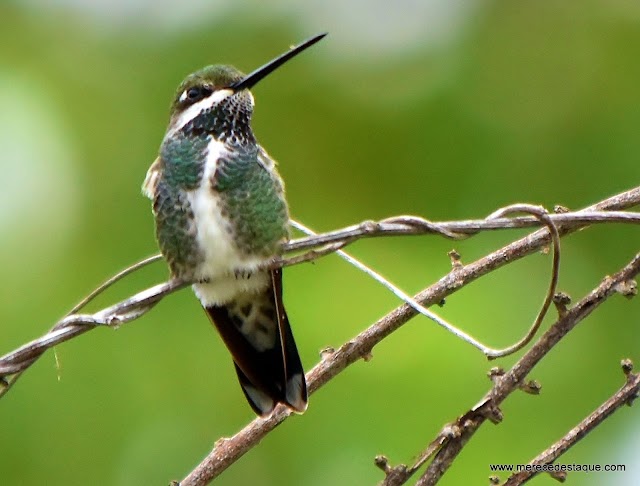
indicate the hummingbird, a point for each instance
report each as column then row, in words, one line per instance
column 221, row 217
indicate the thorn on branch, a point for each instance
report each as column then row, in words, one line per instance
column 628, row 288
column 382, row 462
column 369, row 226
column 558, row 209
column 113, row 321
column 220, row 442
column 560, row 476
column 327, row 351
column 393, row 475
column 561, row 300
column 627, row 368
column 492, row 413
column 532, row 387
column 451, row 431
column 455, row 258
column 495, row 373
column 494, row 480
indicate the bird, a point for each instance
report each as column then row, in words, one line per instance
column 221, row 218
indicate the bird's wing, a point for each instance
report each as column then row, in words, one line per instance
column 151, row 180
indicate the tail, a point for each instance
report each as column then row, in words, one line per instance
column 256, row 330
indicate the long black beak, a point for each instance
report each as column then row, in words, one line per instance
column 252, row 78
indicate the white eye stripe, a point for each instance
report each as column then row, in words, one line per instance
column 194, row 110
column 183, row 96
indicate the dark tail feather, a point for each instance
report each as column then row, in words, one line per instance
column 262, row 403
column 256, row 330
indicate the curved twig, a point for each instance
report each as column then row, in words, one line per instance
column 406, row 298
column 542, row 215
column 111, row 281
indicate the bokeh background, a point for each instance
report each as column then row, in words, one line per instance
column 444, row 109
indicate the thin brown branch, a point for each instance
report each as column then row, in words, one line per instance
column 609, row 210
column 227, row 451
column 605, row 211
column 15, row 363
column 399, row 226
column 624, row 396
column 488, row 407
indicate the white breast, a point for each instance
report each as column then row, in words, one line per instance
column 222, row 260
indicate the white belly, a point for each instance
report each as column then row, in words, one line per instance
column 222, row 260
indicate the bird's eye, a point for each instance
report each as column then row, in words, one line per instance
column 194, row 93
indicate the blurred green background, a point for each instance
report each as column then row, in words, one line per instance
column 442, row 109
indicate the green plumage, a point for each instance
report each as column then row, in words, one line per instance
column 252, row 201
column 182, row 160
column 184, row 157
column 176, row 230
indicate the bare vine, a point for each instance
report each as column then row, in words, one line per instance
column 445, row 447
column 227, row 451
